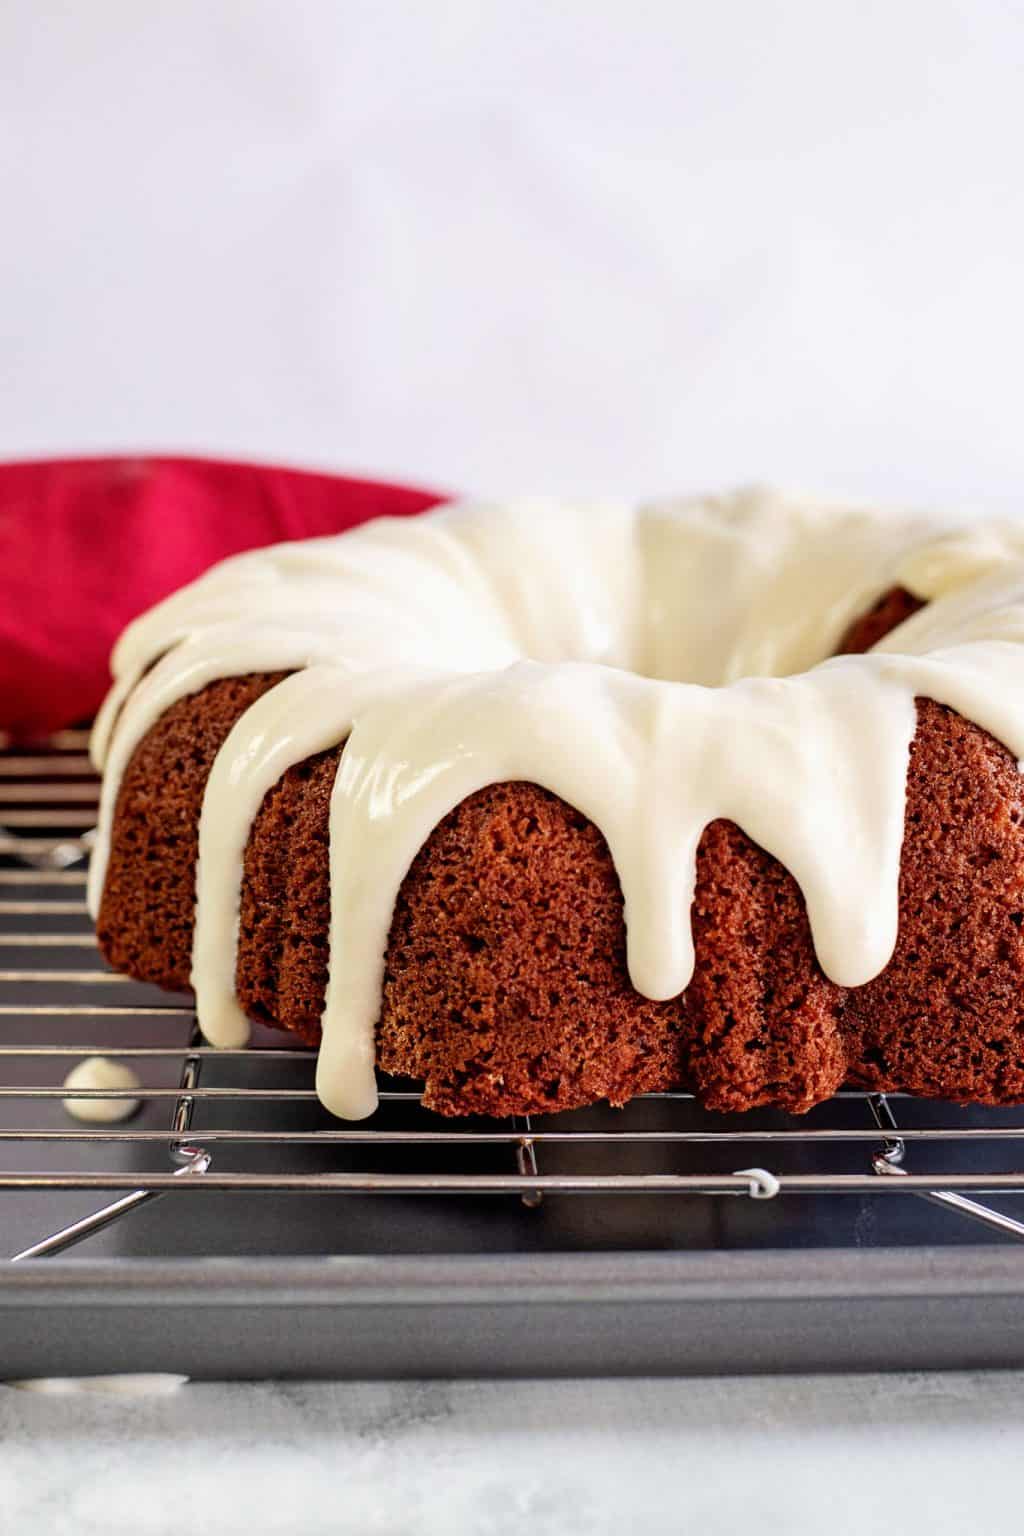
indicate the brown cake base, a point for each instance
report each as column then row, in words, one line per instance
column 506, row 989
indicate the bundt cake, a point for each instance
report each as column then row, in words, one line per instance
column 543, row 806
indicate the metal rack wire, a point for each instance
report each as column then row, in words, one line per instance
column 220, row 1110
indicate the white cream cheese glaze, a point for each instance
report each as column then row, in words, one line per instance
column 656, row 668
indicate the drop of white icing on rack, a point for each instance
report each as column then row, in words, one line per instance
column 141, row 1384
column 99, row 1073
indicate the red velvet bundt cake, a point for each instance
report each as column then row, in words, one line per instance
column 543, row 806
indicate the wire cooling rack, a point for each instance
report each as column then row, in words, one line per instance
column 249, row 1120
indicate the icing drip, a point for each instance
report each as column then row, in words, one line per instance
column 656, row 669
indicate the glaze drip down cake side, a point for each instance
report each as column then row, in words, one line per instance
column 545, row 805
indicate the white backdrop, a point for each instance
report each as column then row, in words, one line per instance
column 576, row 246
column 521, row 246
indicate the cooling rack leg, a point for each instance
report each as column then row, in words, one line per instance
column 526, row 1159
column 185, row 1107
column 193, row 1160
column 67, row 1237
column 887, row 1163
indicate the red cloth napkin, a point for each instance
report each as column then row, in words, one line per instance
column 87, row 544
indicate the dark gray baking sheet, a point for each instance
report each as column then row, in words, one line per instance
column 623, row 1314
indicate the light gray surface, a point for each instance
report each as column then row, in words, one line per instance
column 899, row 1454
